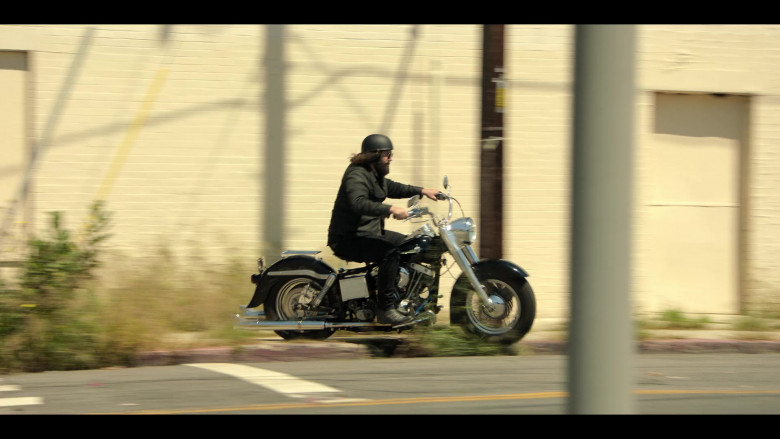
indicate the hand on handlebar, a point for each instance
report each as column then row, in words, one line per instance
column 433, row 194
column 417, row 212
column 399, row 213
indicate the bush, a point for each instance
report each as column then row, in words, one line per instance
column 54, row 320
column 48, row 321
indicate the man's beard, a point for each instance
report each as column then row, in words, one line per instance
column 382, row 169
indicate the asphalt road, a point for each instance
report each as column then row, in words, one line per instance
column 665, row 384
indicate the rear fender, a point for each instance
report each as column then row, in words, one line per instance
column 291, row 266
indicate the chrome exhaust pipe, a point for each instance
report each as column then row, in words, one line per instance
column 307, row 325
column 249, row 313
column 253, row 319
column 286, row 325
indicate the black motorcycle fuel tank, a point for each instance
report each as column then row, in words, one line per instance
column 415, row 244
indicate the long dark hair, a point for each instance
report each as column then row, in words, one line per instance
column 364, row 158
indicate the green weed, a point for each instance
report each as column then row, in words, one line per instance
column 675, row 319
column 750, row 323
column 448, row 341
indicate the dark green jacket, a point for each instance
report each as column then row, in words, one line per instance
column 359, row 208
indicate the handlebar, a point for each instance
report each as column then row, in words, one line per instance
column 417, row 212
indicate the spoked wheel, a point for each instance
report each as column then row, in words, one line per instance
column 509, row 317
column 286, row 302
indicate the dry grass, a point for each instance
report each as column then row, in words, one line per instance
column 147, row 301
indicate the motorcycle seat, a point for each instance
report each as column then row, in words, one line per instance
column 348, row 260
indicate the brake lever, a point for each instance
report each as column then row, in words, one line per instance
column 416, row 213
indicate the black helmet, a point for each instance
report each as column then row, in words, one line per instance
column 376, row 142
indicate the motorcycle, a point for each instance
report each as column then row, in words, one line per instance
column 303, row 297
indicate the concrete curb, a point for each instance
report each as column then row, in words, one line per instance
column 673, row 346
column 297, row 351
column 703, row 345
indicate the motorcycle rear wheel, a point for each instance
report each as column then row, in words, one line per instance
column 510, row 319
column 283, row 303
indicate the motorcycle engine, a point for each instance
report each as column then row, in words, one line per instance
column 413, row 278
column 403, row 278
column 364, row 310
column 411, row 282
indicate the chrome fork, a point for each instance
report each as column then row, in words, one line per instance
column 465, row 257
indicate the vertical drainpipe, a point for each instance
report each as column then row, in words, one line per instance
column 436, row 92
column 492, row 143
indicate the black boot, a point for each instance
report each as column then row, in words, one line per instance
column 388, row 270
column 392, row 317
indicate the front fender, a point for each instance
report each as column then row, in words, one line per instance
column 299, row 265
column 490, row 268
column 499, row 266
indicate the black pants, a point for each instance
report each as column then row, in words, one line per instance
column 382, row 250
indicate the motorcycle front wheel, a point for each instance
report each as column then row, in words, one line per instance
column 507, row 321
column 285, row 301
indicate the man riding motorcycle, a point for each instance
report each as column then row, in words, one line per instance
column 357, row 226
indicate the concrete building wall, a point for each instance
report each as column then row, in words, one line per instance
column 178, row 129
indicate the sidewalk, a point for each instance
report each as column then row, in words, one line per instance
column 713, row 338
column 544, row 338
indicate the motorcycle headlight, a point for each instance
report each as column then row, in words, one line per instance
column 464, row 230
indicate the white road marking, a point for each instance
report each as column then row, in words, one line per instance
column 278, row 382
column 28, row 400
column 12, row 402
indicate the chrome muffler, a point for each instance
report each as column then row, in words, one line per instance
column 306, row 325
column 253, row 319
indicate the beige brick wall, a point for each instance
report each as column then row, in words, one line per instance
column 167, row 131
column 168, row 124
column 731, row 60
column 539, row 67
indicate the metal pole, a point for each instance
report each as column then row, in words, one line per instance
column 275, row 107
column 601, row 329
column 492, row 145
